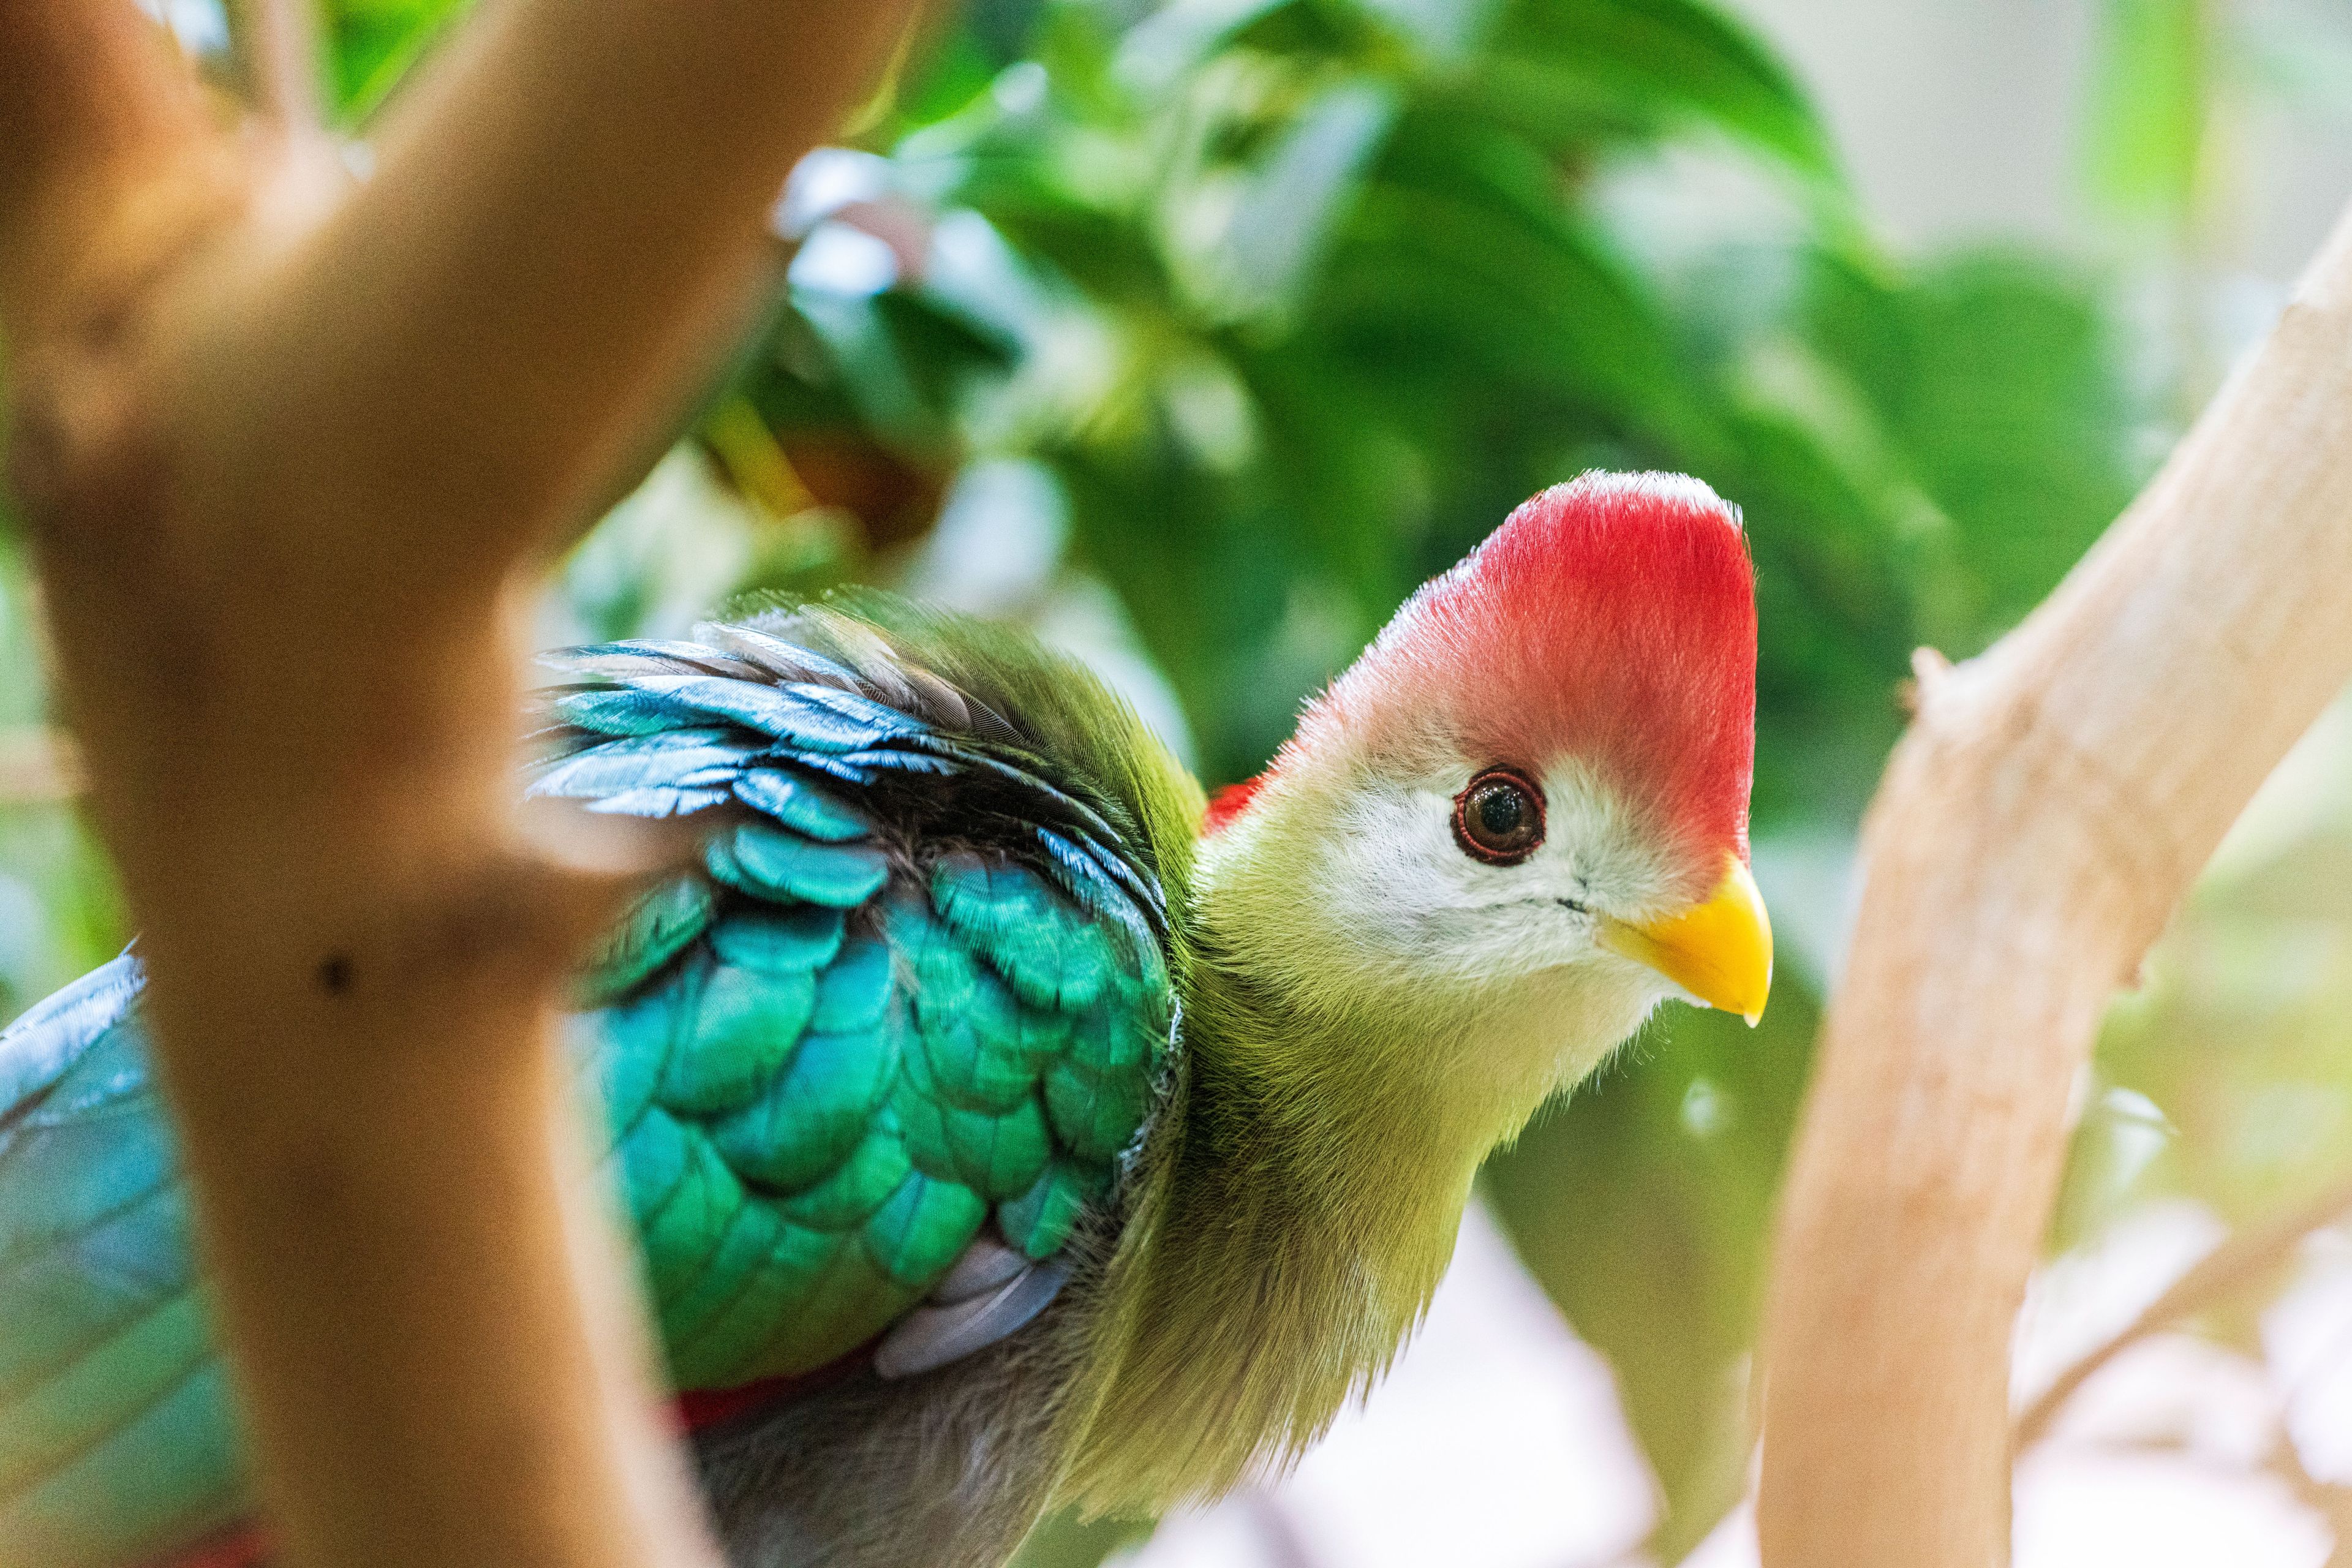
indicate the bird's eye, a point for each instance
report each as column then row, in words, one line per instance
column 1500, row 818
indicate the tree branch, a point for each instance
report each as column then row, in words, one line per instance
column 568, row 214
column 288, row 451
column 2050, row 804
column 2232, row 1267
column 278, row 56
column 93, row 101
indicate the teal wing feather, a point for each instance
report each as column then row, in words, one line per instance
column 862, row 1069
column 915, row 1002
column 117, row 1436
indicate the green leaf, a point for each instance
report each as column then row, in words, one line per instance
column 1264, row 260
column 376, row 42
column 1672, row 1159
column 1570, row 70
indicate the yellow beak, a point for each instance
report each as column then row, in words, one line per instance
column 1720, row 951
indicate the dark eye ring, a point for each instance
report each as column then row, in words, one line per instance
column 1498, row 817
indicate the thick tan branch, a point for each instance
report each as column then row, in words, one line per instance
column 2033, row 832
column 566, row 222
column 92, row 100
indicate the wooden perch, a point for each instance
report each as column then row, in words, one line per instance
column 2050, row 804
column 288, row 450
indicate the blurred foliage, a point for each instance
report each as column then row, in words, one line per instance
column 2175, row 83
column 371, row 44
column 1642, row 1202
column 1294, row 301
column 59, row 909
column 2152, row 106
column 2225, row 1077
column 1199, row 333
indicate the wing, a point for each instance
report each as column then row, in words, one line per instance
column 116, row 1433
column 866, row 1066
column 863, row 1070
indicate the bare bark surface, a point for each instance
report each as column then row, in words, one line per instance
column 2050, row 804
column 277, row 46
column 290, row 448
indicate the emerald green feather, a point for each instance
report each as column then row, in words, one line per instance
column 114, row 1432
column 734, row 1030
column 855, row 991
column 779, row 942
column 655, row 929
column 774, row 863
column 860, row 1185
column 916, row 1234
column 816, row 1113
column 1039, row 1221
column 982, row 1044
column 800, row 805
column 1053, row 954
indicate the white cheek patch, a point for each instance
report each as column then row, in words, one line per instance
column 1407, row 900
column 1593, row 843
column 1390, row 872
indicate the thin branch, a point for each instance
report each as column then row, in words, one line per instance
column 2236, row 1265
column 276, row 45
column 38, row 767
column 2051, row 804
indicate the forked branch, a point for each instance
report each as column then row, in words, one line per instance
column 289, row 449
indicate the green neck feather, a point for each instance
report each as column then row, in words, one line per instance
column 1302, row 1212
column 1300, row 1202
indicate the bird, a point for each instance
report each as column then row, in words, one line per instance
column 1003, row 1124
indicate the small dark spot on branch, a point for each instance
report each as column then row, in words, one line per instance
column 335, row 975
